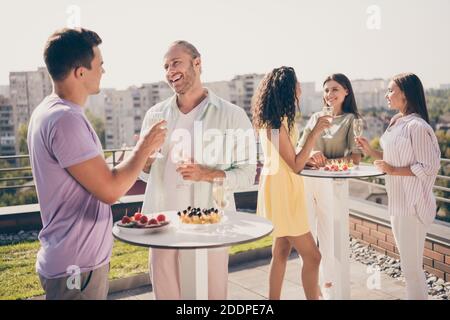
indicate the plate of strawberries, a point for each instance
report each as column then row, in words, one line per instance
column 338, row 166
column 140, row 223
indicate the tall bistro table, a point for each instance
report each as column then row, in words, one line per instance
column 339, row 182
column 193, row 242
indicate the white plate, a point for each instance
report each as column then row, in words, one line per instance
column 206, row 226
column 335, row 172
column 140, row 231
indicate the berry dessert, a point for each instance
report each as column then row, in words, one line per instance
column 199, row 216
column 139, row 220
column 338, row 166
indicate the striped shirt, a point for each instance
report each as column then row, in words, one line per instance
column 409, row 141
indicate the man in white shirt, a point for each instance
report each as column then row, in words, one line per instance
column 190, row 113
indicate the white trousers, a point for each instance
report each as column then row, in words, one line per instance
column 166, row 276
column 409, row 233
column 319, row 197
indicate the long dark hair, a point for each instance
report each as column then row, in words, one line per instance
column 412, row 88
column 275, row 99
column 349, row 105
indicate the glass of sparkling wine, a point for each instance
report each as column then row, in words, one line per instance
column 327, row 111
column 220, row 194
column 358, row 127
column 156, row 116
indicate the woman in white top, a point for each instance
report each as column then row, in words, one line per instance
column 411, row 161
column 337, row 93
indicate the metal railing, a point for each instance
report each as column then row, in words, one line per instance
column 435, row 187
column 113, row 157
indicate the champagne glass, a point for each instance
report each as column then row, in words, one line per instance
column 358, row 127
column 181, row 158
column 327, row 111
column 220, row 194
column 156, row 117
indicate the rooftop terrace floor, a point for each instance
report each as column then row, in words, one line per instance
column 249, row 281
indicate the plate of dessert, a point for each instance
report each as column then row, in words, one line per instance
column 338, row 167
column 198, row 218
column 139, row 223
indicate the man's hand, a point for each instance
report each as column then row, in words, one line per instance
column 384, row 166
column 154, row 138
column 196, row 172
column 149, row 162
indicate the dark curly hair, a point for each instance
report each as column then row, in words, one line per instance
column 276, row 99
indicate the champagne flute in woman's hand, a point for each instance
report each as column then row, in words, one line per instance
column 328, row 111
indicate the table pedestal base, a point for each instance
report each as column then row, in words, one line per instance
column 194, row 274
column 341, row 239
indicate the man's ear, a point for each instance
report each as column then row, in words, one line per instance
column 198, row 62
column 78, row 72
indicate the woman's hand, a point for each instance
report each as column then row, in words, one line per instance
column 322, row 123
column 384, row 166
column 311, row 165
column 319, row 158
column 364, row 145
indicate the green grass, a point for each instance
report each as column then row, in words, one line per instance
column 18, row 278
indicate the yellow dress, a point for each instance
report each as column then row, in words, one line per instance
column 281, row 194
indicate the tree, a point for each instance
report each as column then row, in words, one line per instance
column 22, row 133
column 98, row 125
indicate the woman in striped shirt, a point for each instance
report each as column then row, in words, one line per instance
column 411, row 161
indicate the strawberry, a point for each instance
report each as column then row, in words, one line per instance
column 161, row 218
column 126, row 219
column 152, row 221
column 345, row 167
column 143, row 219
column 327, row 168
column 137, row 216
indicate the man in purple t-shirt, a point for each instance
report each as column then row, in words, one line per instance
column 74, row 184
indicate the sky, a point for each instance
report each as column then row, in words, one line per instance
column 364, row 39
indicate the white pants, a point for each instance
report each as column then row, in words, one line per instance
column 319, row 197
column 409, row 233
column 166, row 277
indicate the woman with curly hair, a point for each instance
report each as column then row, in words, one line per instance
column 281, row 196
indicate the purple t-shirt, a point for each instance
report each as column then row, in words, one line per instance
column 76, row 225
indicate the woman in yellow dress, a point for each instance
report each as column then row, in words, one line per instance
column 281, row 196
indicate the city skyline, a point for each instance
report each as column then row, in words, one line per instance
column 377, row 39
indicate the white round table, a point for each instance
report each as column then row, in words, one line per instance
column 340, row 213
column 236, row 228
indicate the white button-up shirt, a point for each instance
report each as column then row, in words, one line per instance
column 214, row 123
column 409, row 141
